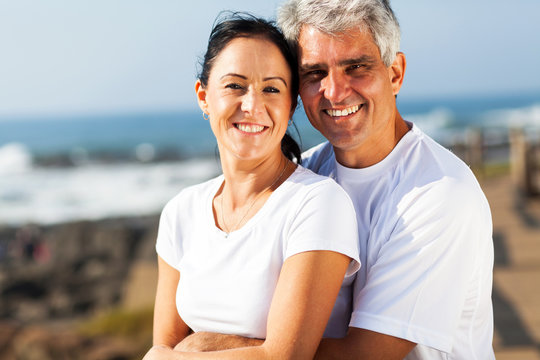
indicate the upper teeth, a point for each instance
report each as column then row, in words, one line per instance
column 250, row 128
column 344, row 112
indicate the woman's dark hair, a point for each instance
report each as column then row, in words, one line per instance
column 232, row 25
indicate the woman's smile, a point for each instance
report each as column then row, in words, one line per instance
column 250, row 128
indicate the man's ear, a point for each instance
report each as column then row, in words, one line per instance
column 396, row 71
column 201, row 96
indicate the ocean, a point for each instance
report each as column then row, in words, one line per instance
column 66, row 168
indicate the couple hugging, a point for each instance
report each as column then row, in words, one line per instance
column 374, row 245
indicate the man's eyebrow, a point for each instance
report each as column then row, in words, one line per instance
column 364, row 60
column 308, row 67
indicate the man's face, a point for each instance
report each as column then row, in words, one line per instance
column 347, row 91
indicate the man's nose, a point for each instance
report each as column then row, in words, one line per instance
column 335, row 86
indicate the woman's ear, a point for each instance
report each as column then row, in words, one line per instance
column 397, row 72
column 201, row 96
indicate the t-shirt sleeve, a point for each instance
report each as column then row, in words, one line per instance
column 168, row 242
column 434, row 243
column 325, row 220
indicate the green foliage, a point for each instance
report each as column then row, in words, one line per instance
column 491, row 170
column 120, row 322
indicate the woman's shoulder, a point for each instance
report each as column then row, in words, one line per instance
column 194, row 194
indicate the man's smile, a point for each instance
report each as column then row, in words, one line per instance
column 342, row 112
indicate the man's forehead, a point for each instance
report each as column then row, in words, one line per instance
column 315, row 45
column 351, row 34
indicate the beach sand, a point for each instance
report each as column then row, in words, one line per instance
column 516, row 288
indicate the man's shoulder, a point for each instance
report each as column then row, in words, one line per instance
column 436, row 160
column 429, row 171
column 319, row 159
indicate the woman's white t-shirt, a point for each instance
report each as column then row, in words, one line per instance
column 227, row 282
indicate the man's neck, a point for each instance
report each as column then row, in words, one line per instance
column 375, row 149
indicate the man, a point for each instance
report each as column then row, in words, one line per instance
column 424, row 289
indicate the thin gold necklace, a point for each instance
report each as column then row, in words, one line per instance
column 250, row 206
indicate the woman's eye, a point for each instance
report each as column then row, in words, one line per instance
column 233, row 86
column 271, row 89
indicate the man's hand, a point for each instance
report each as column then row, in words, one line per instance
column 364, row 344
column 157, row 352
column 208, row 341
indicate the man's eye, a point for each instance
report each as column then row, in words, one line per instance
column 313, row 74
column 271, row 89
column 233, row 86
column 356, row 67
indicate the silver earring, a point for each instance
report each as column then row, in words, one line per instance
column 290, row 122
column 205, row 116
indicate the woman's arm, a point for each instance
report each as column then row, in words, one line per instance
column 303, row 300
column 305, row 295
column 169, row 329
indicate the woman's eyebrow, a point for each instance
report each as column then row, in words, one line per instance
column 245, row 77
column 276, row 78
column 234, row 75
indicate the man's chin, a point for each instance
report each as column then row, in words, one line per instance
column 344, row 145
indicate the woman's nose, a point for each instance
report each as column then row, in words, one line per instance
column 251, row 103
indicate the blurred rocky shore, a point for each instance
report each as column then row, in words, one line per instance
column 73, row 290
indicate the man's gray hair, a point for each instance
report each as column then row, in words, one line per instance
column 337, row 16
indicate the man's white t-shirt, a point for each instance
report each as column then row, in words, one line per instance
column 227, row 283
column 426, row 248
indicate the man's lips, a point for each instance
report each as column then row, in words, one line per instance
column 343, row 112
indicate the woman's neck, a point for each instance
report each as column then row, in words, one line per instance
column 246, row 188
column 245, row 180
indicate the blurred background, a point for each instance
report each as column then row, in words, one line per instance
column 99, row 127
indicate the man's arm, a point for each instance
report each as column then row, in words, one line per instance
column 359, row 344
column 364, row 344
column 209, row 341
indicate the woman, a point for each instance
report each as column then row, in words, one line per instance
column 260, row 251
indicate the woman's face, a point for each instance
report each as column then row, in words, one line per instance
column 248, row 98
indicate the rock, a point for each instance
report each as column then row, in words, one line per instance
column 72, row 271
column 87, row 268
column 140, row 288
column 63, row 343
column 7, row 334
column 117, row 349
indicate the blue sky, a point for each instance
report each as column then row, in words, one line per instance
column 99, row 56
